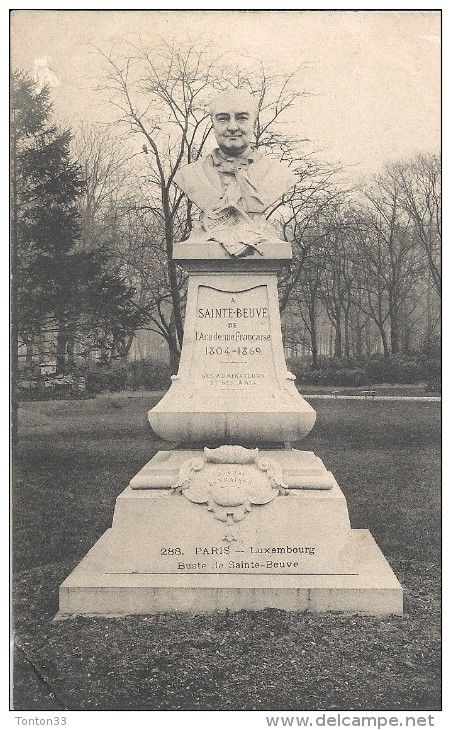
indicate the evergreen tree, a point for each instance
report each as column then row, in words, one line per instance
column 45, row 220
column 58, row 286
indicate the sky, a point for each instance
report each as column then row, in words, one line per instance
column 373, row 77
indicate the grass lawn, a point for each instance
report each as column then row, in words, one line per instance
column 73, row 459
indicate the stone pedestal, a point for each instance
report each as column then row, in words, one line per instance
column 166, row 553
column 232, row 385
column 240, row 525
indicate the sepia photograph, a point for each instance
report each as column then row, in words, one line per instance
column 226, row 364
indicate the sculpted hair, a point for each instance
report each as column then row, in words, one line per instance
column 240, row 96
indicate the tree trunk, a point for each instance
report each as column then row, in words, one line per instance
column 172, row 271
column 394, row 333
column 394, row 322
column 314, row 343
column 429, row 325
column 174, row 352
column 368, row 338
column 358, row 342
column 331, row 341
column 407, row 339
column 338, row 346
column 358, row 336
column 61, row 345
column 384, row 341
column 358, row 332
column 313, row 335
column 347, row 343
column 123, row 346
column 29, row 350
column 176, row 305
column 70, row 349
column 174, row 358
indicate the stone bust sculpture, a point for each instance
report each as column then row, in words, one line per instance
column 234, row 185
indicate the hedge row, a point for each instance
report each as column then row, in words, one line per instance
column 144, row 374
column 150, row 375
column 374, row 371
column 331, row 371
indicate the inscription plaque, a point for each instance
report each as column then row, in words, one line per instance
column 232, row 340
column 231, row 550
column 238, row 557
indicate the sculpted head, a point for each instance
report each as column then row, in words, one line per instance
column 233, row 114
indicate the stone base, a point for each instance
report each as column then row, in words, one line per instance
column 374, row 589
column 166, row 553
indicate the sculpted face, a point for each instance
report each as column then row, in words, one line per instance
column 233, row 115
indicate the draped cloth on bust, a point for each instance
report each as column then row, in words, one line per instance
column 233, row 194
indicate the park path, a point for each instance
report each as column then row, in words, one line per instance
column 319, row 396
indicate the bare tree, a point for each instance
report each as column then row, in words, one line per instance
column 141, row 255
column 304, row 220
column 389, row 259
column 306, row 297
column 106, row 169
column 160, row 94
column 420, row 193
column 337, row 282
